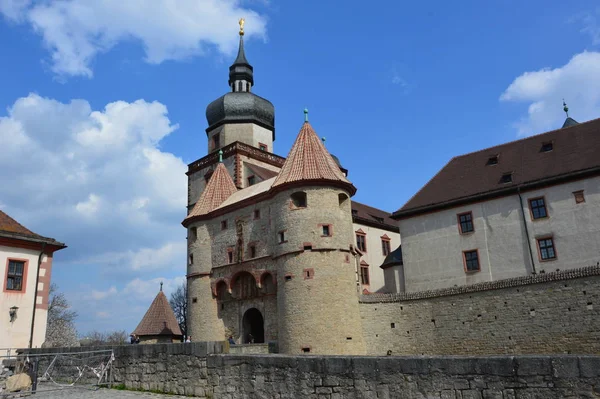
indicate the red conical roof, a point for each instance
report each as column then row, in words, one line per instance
column 219, row 188
column 159, row 319
column 309, row 160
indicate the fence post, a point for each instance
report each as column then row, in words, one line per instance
column 35, row 375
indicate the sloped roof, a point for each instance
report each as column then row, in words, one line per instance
column 309, row 160
column 219, row 188
column 248, row 192
column 261, row 172
column 9, row 227
column 469, row 177
column 364, row 214
column 393, row 258
column 159, row 319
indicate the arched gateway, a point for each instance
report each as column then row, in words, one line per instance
column 253, row 327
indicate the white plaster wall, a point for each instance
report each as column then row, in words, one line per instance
column 432, row 246
column 374, row 255
column 16, row 334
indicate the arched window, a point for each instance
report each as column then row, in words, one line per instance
column 343, row 200
column 222, row 292
column 267, row 282
column 299, row 199
column 244, row 286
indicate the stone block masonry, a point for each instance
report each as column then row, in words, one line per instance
column 543, row 314
column 333, row 377
column 199, row 369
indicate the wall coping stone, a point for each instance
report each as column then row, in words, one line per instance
column 571, row 274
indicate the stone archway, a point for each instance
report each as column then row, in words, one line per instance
column 253, row 327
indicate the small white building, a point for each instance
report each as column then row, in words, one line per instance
column 520, row 208
column 26, row 268
column 376, row 237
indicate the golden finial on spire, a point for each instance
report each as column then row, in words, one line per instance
column 242, row 21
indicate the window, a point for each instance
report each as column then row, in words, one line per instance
column 230, row 255
column 207, row 176
column 546, row 247
column 299, row 199
column 364, row 273
column 385, row 247
column 579, row 197
column 216, row 141
column 252, row 251
column 191, row 259
column 354, row 212
column 342, row 199
column 251, row 180
column 547, row 146
column 15, row 275
column 257, row 214
column 361, row 242
column 471, row 259
column 506, row 178
column 193, row 233
column 465, row 221
column 223, row 224
column 493, row 160
column 263, row 147
column 538, row 208
column 281, row 236
column 326, row 230
column 308, row 273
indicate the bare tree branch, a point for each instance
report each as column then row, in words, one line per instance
column 178, row 303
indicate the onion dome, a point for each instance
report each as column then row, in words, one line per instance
column 240, row 105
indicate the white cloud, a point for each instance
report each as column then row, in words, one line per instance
column 591, row 26
column 75, row 31
column 164, row 257
column 578, row 82
column 99, row 295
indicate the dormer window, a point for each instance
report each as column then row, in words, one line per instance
column 354, row 212
column 547, row 147
column 377, row 218
column 493, row 160
column 506, row 178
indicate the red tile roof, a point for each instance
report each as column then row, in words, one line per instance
column 159, row 319
column 309, row 160
column 468, row 177
column 219, row 188
column 367, row 215
column 9, row 227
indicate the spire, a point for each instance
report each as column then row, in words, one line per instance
column 218, row 189
column 309, row 160
column 241, row 73
column 159, row 319
column 305, row 114
column 161, row 283
column 569, row 121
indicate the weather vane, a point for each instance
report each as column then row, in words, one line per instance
column 242, row 21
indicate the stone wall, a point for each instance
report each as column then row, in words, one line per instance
column 333, row 377
column 547, row 313
column 200, row 369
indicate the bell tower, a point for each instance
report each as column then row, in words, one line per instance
column 241, row 115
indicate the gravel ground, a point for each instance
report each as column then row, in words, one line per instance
column 52, row 392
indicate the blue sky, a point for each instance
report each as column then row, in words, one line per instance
column 102, row 107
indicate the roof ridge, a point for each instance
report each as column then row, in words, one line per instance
column 525, row 138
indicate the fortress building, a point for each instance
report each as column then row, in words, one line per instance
column 277, row 252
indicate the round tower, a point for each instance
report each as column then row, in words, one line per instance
column 202, row 312
column 311, row 217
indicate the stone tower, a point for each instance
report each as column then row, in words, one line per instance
column 317, row 295
column 240, row 115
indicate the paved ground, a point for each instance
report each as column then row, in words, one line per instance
column 82, row 393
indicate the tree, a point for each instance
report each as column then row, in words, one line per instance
column 60, row 328
column 178, row 303
column 98, row 338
